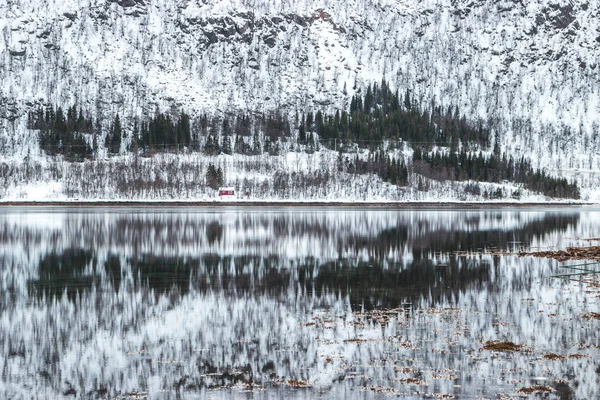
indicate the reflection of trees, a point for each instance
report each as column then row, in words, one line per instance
column 242, row 274
column 243, row 319
column 368, row 284
column 377, row 246
column 76, row 271
column 65, row 272
column 448, row 240
column 370, row 268
column 370, row 233
column 425, row 237
column 371, row 286
column 162, row 274
column 114, row 270
column 214, row 232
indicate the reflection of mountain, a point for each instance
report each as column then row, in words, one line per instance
column 384, row 267
column 183, row 302
column 369, row 236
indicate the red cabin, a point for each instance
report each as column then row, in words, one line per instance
column 226, row 192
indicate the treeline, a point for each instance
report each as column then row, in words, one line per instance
column 463, row 166
column 380, row 115
column 229, row 134
column 380, row 120
column 214, row 177
column 242, row 134
column 161, row 132
column 63, row 133
column 387, row 168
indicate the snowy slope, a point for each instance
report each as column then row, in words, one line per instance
column 530, row 68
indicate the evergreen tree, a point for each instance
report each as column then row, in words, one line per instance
column 62, row 136
column 368, row 102
column 214, row 177
column 211, row 147
column 302, row 132
column 113, row 138
column 256, row 144
column 407, row 104
column 226, row 145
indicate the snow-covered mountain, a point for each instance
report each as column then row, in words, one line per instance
column 530, row 68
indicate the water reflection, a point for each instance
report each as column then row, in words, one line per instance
column 69, row 272
column 225, row 302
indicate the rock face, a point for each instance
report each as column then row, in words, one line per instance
column 529, row 67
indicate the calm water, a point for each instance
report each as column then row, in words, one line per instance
column 292, row 303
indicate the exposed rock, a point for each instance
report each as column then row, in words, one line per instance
column 269, row 40
column 70, row 16
column 126, row 3
column 561, row 15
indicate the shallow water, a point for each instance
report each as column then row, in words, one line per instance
column 293, row 303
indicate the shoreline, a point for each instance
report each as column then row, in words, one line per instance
column 385, row 204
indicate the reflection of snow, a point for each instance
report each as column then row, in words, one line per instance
column 288, row 232
column 136, row 340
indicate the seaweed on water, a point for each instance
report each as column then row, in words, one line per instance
column 571, row 253
column 298, row 383
column 535, row 389
column 554, row 357
column 411, row 381
column 591, row 315
column 497, row 345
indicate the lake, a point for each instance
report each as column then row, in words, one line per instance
column 293, row 302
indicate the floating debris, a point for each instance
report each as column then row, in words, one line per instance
column 297, row 383
column 591, row 315
column 439, row 311
column 554, row 357
column 571, row 253
column 483, row 253
column 379, row 389
column 134, row 395
column 350, row 376
column 411, row 381
column 444, row 374
column 535, row 389
column 406, row 370
column 354, row 340
column 404, row 344
column 497, row 345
